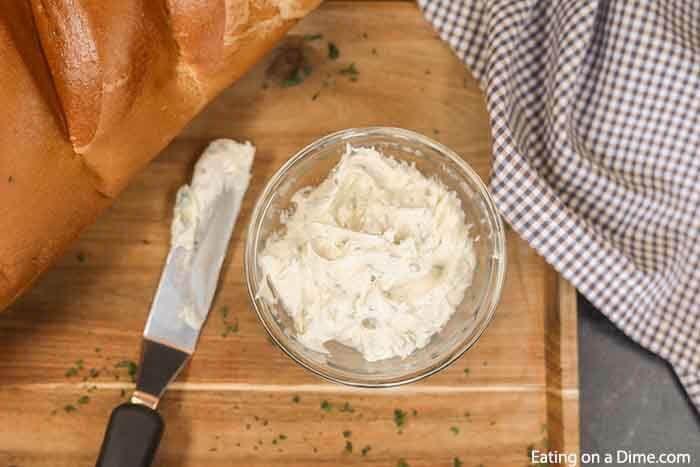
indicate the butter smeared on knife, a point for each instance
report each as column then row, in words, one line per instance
column 204, row 217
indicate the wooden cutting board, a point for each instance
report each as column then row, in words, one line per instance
column 241, row 401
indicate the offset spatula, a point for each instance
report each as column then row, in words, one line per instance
column 187, row 286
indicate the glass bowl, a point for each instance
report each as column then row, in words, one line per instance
column 345, row 365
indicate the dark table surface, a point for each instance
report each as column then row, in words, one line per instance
column 630, row 399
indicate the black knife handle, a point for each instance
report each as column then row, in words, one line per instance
column 132, row 437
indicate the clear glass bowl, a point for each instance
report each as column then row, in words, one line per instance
column 344, row 365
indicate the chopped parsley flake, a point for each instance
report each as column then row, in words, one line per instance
column 313, row 37
column 414, row 412
column 83, row 400
column 366, row 450
column 298, row 76
column 347, row 408
column 69, row 408
column 347, row 434
column 399, row 418
column 466, row 371
column 454, row 430
column 326, row 406
column 71, row 372
column 456, row 462
column 94, row 373
column 350, row 70
column 80, row 256
column 402, row 463
column 131, row 367
column 224, row 312
column 230, row 329
column 333, row 51
column 348, row 446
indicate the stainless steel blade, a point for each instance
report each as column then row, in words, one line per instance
column 189, row 288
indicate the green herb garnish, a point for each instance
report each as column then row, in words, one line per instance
column 131, row 367
column 80, row 256
column 69, row 408
column 414, row 412
column 399, row 418
column 230, row 329
column 347, row 434
column 224, row 312
column 83, row 400
column 347, row 408
column 351, row 71
column 79, row 364
column 71, row 372
column 366, row 449
column 456, row 462
column 348, row 446
column 93, row 373
column 466, row 371
column 454, row 430
column 326, row 406
column 313, row 37
column 333, row 51
column 402, row 463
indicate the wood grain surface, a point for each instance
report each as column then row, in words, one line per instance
column 242, row 402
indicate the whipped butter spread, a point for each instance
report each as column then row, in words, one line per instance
column 377, row 257
column 224, row 166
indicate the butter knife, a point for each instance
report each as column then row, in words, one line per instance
column 189, row 279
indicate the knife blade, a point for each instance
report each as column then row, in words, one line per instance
column 178, row 312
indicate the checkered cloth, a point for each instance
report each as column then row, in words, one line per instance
column 595, row 115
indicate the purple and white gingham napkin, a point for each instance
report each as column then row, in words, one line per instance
column 595, row 114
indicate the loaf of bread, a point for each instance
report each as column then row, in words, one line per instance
column 92, row 90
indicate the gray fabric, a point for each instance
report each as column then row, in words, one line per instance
column 595, row 114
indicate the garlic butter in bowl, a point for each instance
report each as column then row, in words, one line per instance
column 375, row 257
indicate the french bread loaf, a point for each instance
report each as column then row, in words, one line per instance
column 92, row 90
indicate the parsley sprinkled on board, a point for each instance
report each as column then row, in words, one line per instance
column 296, row 399
column 230, row 329
column 402, row 463
column 131, row 367
column 94, row 373
column 414, row 412
column 399, row 418
column 298, row 76
column 347, row 434
column 72, row 371
column 81, row 257
column 348, row 446
column 347, row 408
column 69, row 408
column 79, row 364
column 333, row 51
column 456, row 462
column 224, row 312
column 313, row 37
column 326, row 406
column 366, row 449
column 454, row 430
column 83, row 400
column 466, row 371
column 351, row 71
